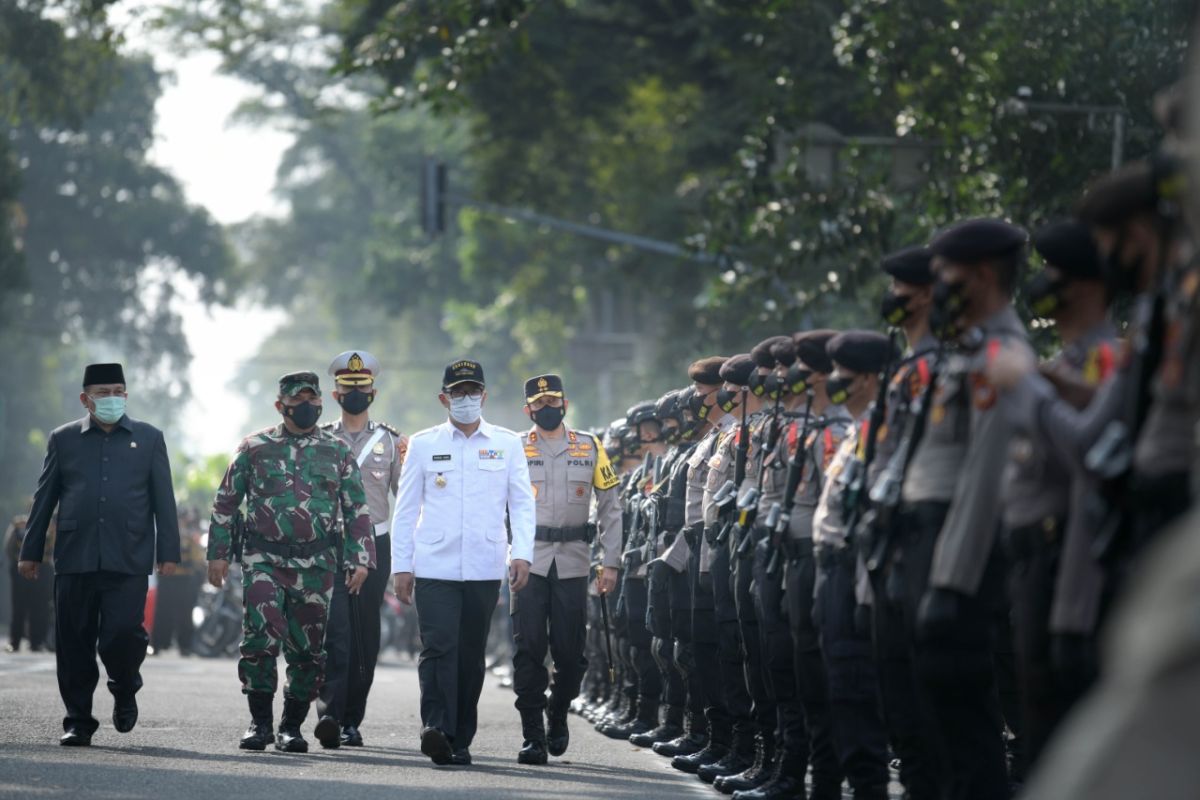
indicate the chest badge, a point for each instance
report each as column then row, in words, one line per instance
column 133, row 445
column 440, row 481
column 377, row 449
column 378, row 473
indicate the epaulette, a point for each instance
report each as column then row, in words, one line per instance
column 393, row 431
column 328, row 426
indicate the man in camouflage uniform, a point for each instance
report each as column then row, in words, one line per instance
column 296, row 478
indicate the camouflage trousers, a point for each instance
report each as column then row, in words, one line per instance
column 284, row 608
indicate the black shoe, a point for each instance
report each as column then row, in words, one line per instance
column 257, row 736
column 435, row 745
column 686, row 745
column 557, row 734
column 733, row 763
column 532, row 752
column 756, row 775
column 781, row 787
column 663, row 733
column 691, row 764
column 328, row 733
column 351, row 737
column 461, row 757
column 633, row 728
column 289, row 739
column 125, row 713
column 75, row 737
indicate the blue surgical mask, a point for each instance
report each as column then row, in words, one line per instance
column 466, row 410
column 109, row 410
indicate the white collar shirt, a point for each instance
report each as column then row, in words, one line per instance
column 454, row 490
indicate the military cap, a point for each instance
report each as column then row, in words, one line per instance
column 644, row 411
column 462, row 371
column 294, row 383
column 761, row 352
column 543, row 386
column 667, row 405
column 96, row 374
column 354, row 368
column 977, row 240
column 707, row 371
column 737, row 369
column 861, row 351
column 910, row 265
column 1068, row 246
column 810, row 349
column 783, row 350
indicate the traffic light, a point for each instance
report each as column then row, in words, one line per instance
column 433, row 197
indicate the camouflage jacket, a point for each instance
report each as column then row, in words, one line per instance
column 294, row 487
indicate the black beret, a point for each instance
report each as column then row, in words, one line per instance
column 641, row 412
column 784, row 351
column 910, row 265
column 1136, row 188
column 737, row 369
column 977, row 240
column 707, row 371
column 1069, row 247
column 810, row 349
column 861, row 351
column 95, row 374
column 761, row 353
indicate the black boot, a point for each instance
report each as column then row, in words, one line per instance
column 557, row 734
column 289, row 739
column 624, row 727
column 758, row 774
column 671, row 728
column 262, row 722
column 533, row 750
column 786, row 783
column 737, row 760
column 715, row 750
column 693, row 740
column 645, row 721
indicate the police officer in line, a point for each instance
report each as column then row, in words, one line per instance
column 956, row 577
column 352, row 635
column 859, row 357
column 567, row 469
column 109, row 479
column 301, row 484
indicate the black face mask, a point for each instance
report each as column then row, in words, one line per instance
column 304, row 415
column 894, row 308
column 949, row 303
column 797, row 378
column 758, row 384
column 548, row 418
column 356, row 401
column 699, row 408
column 671, row 435
column 774, row 387
column 838, row 390
column 1045, row 295
column 727, row 399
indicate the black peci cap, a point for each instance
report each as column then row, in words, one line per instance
column 95, row 374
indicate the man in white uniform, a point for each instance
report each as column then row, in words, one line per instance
column 450, row 546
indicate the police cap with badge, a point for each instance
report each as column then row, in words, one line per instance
column 354, row 373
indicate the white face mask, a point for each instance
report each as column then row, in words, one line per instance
column 466, row 410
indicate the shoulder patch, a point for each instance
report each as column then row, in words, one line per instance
column 390, row 429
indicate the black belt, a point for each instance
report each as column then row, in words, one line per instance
column 796, row 549
column 579, row 533
column 302, row 550
column 828, row 557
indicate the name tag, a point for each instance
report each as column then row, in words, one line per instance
column 442, row 457
column 491, row 455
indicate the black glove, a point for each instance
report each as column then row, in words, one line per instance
column 938, row 613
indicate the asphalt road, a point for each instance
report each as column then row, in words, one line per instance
column 192, row 713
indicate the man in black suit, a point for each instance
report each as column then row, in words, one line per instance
column 110, row 479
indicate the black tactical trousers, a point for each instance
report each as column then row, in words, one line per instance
column 658, row 620
column 957, row 670
column 778, row 654
column 549, row 613
column 636, row 596
column 331, row 700
column 858, row 730
column 750, row 638
column 705, row 649
column 799, row 582
column 729, row 643
column 98, row 612
column 627, row 681
column 370, row 606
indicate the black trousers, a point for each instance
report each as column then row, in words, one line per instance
column 370, row 605
column 454, row 618
column 636, row 595
column 778, row 656
column 705, row 638
column 729, row 644
column 684, row 655
column 30, row 607
column 957, row 670
column 658, row 621
column 799, row 582
column 858, row 730
column 549, row 613
column 174, row 602
column 750, row 639
column 331, row 701
column 98, row 612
